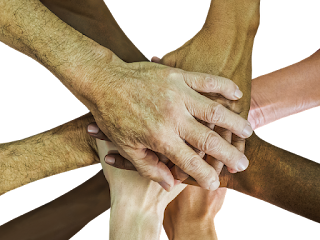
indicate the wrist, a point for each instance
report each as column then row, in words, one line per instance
column 192, row 229
column 128, row 222
column 246, row 181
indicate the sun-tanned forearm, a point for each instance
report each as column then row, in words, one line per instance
column 93, row 19
column 281, row 178
column 58, row 150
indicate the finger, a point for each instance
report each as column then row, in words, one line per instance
column 95, row 131
column 178, row 173
column 155, row 59
column 117, row 161
column 163, row 158
column 206, row 83
column 149, row 166
column 184, row 157
column 218, row 165
column 240, row 144
column 215, row 113
column 208, row 141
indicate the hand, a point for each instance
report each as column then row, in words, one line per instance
column 203, row 53
column 191, row 214
column 114, row 159
column 196, row 55
column 126, row 185
column 137, row 119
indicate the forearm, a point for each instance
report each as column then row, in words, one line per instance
column 28, row 26
column 63, row 217
column 281, row 178
column 284, row 92
column 58, row 150
column 93, row 19
column 128, row 222
column 234, row 15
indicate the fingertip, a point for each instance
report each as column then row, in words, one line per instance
column 93, row 128
column 165, row 186
column 109, row 159
column 231, row 170
column 155, row 59
column 238, row 94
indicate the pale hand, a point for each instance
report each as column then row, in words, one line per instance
column 129, row 187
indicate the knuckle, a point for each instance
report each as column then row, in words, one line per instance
column 211, row 143
column 212, row 84
column 146, row 172
column 230, row 160
column 218, row 114
column 192, row 163
column 174, row 74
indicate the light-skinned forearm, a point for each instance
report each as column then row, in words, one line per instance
column 281, row 178
column 58, row 150
column 284, row 92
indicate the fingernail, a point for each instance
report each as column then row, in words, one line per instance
column 93, row 129
column 177, row 182
column 247, row 131
column 165, row 185
column 242, row 164
column 109, row 159
column 214, row 185
column 238, row 94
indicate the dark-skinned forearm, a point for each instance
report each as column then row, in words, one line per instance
column 280, row 178
column 63, row 217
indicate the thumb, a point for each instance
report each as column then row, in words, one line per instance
column 149, row 166
column 167, row 60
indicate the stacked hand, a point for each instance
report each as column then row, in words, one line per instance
column 124, row 183
column 156, row 112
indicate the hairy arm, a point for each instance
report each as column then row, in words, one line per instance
column 58, row 150
column 40, row 160
column 93, row 19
